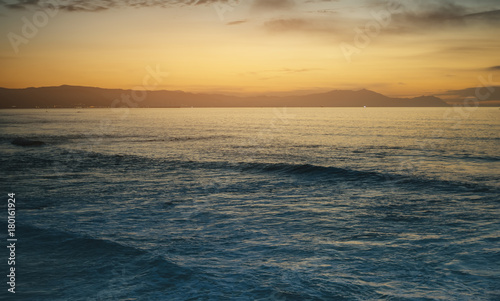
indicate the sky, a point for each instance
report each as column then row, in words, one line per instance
column 252, row 47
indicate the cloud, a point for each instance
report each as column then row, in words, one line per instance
column 292, row 24
column 288, row 70
column 426, row 15
column 319, row 1
column 236, row 22
column 492, row 15
column 494, row 68
column 269, row 5
column 99, row 5
column 277, row 73
column 404, row 17
column 489, row 93
column 21, row 4
column 434, row 13
column 305, row 25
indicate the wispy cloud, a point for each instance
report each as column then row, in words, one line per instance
column 426, row 15
column 288, row 70
column 410, row 17
column 492, row 15
column 301, row 24
column 292, row 24
column 271, row 74
column 320, row 1
column 236, row 22
column 494, row 93
column 267, row 5
column 100, row 5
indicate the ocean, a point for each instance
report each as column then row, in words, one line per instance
column 253, row 203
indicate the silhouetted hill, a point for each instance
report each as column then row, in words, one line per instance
column 75, row 96
column 486, row 96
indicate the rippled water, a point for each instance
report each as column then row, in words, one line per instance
column 255, row 204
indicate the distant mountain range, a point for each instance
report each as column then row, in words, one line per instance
column 75, row 96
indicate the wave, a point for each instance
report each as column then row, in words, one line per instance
column 63, row 265
column 371, row 177
column 81, row 267
column 92, row 138
column 471, row 157
column 26, row 142
column 61, row 161
column 308, row 169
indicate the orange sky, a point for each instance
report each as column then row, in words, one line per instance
column 252, row 47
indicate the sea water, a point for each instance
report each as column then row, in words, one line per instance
column 254, row 203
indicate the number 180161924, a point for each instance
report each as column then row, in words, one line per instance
column 11, row 207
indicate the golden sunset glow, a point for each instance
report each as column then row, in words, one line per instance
column 250, row 149
column 253, row 47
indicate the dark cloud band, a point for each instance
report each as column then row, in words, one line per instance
column 99, row 5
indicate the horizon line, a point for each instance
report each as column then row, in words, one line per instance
column 287, row 93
